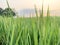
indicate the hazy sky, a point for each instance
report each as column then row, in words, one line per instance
column 20, row 4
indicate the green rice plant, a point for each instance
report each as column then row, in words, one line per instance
column 24, row 31
column 41, row 27
column 30, row 31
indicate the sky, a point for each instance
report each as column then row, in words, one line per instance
column 21, row 4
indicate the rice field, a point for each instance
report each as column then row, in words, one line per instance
column 30, row 31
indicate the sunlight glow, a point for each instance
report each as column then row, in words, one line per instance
column 20, row 4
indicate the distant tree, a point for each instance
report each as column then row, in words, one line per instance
column 1, row 10
column 8, row 12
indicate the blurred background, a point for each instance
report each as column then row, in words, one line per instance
column 26, row 7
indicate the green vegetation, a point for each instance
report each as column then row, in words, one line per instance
column 30, row 31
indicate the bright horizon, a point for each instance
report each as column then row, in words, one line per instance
column 21, row 4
